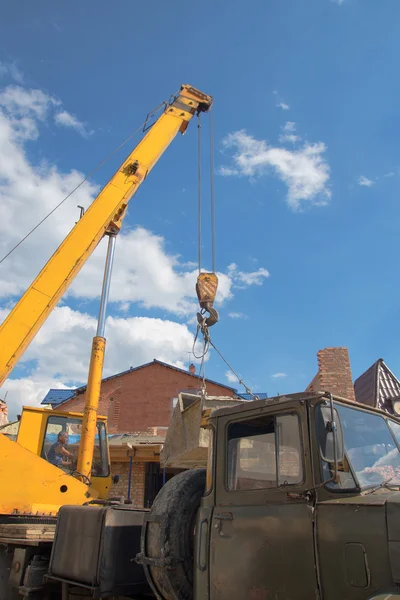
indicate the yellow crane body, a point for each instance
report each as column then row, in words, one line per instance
column 93, row 389
column 36, row 487
column 28, row 482
column 104, row 214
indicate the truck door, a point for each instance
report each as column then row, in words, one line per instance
column 262, row 526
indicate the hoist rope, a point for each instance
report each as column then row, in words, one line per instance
column 101, row 164
column 212, row 194
column 240, row 380
column 202, row 372
column 199, row 191
column 212, row 191
column 207, row 342
column 206, row 345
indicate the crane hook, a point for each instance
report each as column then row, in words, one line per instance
column 206, row 289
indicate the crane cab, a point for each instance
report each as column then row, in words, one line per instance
column 39, row 429
column 30, row 463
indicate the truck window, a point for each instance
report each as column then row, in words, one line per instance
column 264, row 453
column 61, row 445
column 371, row 453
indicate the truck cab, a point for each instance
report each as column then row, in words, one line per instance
column 299, row 500
column 303, row 502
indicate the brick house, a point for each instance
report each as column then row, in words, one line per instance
column 141, row 397
column 138, row 404
column 3, row 413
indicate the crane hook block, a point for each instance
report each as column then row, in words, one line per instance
column 206, row 289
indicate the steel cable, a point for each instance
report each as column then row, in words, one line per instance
column 101, row 164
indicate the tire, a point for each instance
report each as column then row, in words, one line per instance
column 171, row 536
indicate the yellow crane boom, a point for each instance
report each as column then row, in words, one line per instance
column 103, row 216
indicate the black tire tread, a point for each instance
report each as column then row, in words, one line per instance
column 177, row 502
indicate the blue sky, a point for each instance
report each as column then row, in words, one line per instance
column 317, row 210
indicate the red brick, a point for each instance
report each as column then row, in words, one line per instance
column 137, row 482
column 3, row 413
column 334, row 373
column 143, row 398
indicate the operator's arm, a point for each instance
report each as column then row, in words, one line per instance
column 63, row 451
column 104, row 215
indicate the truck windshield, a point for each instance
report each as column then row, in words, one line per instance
column 371, row 449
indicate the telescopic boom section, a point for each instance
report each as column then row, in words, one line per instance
column 103, row 216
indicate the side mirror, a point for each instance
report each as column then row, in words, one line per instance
column 330, row 434
column 115, row 479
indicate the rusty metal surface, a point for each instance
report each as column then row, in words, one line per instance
column 306, row 542
column 262, row 540
column 339, row 525
column 206, row 289
column 186, row 444
column 263, row 552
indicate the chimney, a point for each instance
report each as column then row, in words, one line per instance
column 192, row 369
column 334, row 373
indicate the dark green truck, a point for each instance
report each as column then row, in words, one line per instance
column 300, row 501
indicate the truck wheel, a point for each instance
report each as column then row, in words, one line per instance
column 170, row 534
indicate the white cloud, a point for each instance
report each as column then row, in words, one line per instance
column 279, row 375
column 231, row 377
column 145, row 272
column 65, row 119
column 365, row 182
column 339, row 2
column 289, row 133
column 12, row 70
column 228, row 171
column 24, row 107
column 28, row 391
column 19, row 101
column 21, row 109
column 289, row 127
column 241, row 279
column 237, row 315
column 304, row 170
column 130, row 341
column 279, row 101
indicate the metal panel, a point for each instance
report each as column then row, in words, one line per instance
column 95, row 547
column 262, row 539
column 340, row 523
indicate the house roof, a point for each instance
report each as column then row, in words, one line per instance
column 377, row 386
column 55, row 399
column 260, row 395
column 56, row 396
column 119, row 439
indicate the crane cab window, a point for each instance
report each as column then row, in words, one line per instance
column 61, row 445
column 264, row 453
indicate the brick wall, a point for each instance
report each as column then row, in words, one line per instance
column 334, row 373
column 3, row 413
column 137, row 482
column 142, row 398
